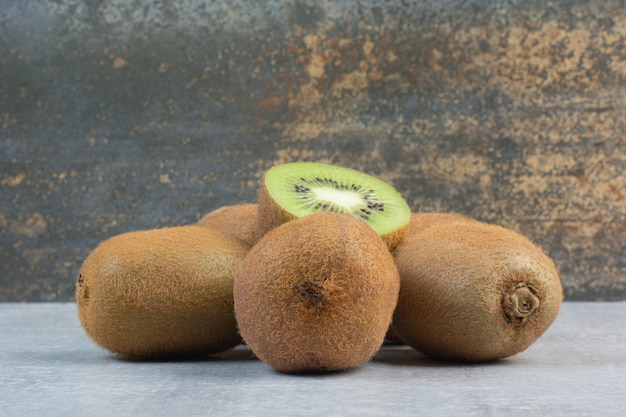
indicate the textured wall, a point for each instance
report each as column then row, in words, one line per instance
column 119, row 115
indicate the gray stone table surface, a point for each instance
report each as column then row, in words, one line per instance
column 49, row 367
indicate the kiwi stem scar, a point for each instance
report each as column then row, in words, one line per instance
column 312, row 294
column 520, row 302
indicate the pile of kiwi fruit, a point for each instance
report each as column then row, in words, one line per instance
column 323, row 269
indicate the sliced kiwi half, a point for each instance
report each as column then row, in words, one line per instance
column 297, row 189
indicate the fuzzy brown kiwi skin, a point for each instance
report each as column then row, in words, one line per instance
column 419, row 222
column 422, row 220
column 474, row 292
column 237, row 221
column 316, row 294
column 162, row 293
column 271, row 215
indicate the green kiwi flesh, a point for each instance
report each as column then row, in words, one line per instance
column 316, row 294
column 162, row 293
column 298, row 189
column 472, row 291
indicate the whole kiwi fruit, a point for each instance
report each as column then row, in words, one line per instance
column 162, row 293
column 472, row 291
column 238, row 221
column 297, row 189
column 316, row 294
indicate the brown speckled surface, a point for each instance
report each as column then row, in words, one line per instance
column 123, row 115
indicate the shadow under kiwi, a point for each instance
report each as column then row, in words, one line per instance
column 318, row 373
column 403, row 355
column 239, row 353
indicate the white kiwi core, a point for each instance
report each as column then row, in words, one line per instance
column 347, row 200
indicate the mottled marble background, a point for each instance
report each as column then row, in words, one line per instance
column 120, row 115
